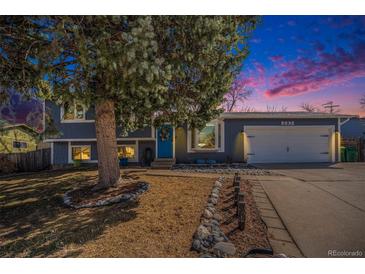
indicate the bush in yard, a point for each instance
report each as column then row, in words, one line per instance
column 6, row 166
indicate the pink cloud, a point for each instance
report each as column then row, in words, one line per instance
column 250, row 80
column 276, row 58
column 259, row 68
column 305, row 75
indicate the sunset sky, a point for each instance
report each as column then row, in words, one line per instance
column 307, row 59
column 293, row 60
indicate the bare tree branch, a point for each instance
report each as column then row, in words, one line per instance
column 308, row 107
column 238, row 94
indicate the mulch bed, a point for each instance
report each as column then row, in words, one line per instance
column 35, row 223
column 86, row 195
column 254, row 234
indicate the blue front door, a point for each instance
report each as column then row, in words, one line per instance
column 164, row 142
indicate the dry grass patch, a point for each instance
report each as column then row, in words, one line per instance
column 166, row 219
column 34, row 223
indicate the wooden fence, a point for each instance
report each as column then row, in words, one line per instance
column 30, row 161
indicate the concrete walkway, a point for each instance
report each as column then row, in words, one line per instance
column 279, row 238
column 322, row 207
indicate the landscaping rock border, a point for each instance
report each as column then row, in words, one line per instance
column 125, row 197
column 209, row 240
column 243, row 169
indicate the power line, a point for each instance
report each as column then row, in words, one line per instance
column 331, row 107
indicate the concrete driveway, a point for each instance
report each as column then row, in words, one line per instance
column 322, row 206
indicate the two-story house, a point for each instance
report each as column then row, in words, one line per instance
column 252, row 137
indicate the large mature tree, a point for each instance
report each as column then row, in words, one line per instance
column 136, row 70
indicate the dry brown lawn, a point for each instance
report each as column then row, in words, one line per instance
column 34, row 222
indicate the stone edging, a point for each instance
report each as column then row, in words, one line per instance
column 209, row 240
column 224, row 170
column 125, row 197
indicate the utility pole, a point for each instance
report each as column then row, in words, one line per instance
column 331, row 107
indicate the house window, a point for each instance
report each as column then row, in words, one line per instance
column 209, row 138
column 17, row 144
column 127, row 151
column 72, row 111
column 81, row 153
column 206, row 138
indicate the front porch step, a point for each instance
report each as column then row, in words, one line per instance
column 163, row 163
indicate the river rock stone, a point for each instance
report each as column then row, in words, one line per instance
column 224, row 248
column 217, row 217
column 196, row 245
column 215, row 196
column 211, row 209
column 214, row 201
column 208, row 214
column 202, row 232
column 218, row 184
column 214, row 222
column 215, row 191
column 210, row 205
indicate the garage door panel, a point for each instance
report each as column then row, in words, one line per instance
column 284, row 145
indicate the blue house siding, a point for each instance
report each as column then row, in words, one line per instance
column 142, row 146
column 355, row 128
column 83, row 133
column 233, row 137
column 86, row 129
column 60, row 153
column 61, row 150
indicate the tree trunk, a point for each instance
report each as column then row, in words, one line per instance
column 108, row 165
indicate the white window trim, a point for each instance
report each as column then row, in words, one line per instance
column 83, row 120
column 135, row 159
column 70, row 153
column 217, row 148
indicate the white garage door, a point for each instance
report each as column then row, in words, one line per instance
column 288, row 144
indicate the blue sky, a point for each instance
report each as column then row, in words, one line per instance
column 307, row 59
column 292, row 60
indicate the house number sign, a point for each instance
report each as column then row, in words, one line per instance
column 287, row 123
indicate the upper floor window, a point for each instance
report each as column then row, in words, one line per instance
column 17, row 144
column 73, row 111
column 209, row 138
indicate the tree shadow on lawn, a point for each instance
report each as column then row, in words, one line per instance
column 35, row 223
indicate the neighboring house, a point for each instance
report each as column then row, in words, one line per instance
column 17, row 138
column 353, row 135
column 253, row 137
column 354, row 128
